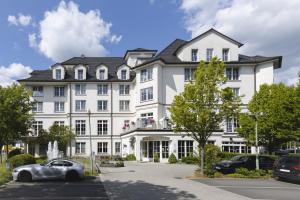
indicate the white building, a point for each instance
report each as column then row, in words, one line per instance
column 128, row 97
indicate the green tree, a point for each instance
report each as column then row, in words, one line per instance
column 62, row 134
column 15, row 117
column 203, row 105
column 275, row 109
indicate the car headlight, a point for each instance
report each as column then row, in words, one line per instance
column 15, row 170
column 226, row 165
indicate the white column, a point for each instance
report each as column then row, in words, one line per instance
column 138, row 149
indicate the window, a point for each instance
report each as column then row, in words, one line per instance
column 225, row 54
column 124, row 105
column 102, row 147
column 37, row 127
column 146, row 119
column 59, row 106
column 146, row 74
column 80, row 127
column 102, row 89
column 236, row 91
column 189, row 74
column 58, row 74
column 235, row 147
column 209, row 54
column 117, row 147
column 80, row 89
column 185, row 148
column 194, row 55
column 59, row 123
column 59, row 91
column 102, row 105
column 165, row 149
column 37, row 107
column 147, row 94
column 80, row 74
column 123, row 74
column 101, row 74
column 231, row 124
column 80, row 148
column 80, row 105
column 37, row 91
column 232, row 73
column 102, row 127
column 124, row 89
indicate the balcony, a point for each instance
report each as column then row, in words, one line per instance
column 146, row 124
column 37, row 94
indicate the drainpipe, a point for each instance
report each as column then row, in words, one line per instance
column 70, row 113
column 111, row 119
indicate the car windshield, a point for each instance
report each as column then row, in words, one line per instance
column 237, row 158
column 46, row 162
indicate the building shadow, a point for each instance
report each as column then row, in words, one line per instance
column 135, row 190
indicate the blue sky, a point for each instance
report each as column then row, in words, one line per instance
column 35, row 34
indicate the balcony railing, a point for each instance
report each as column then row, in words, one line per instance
column 146, row 124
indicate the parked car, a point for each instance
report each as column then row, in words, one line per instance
column 54, row 169
column 287, row 167
column 245, row 161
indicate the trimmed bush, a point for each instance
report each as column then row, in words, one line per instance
column 190, row 160
column 117, row 158
column 172, row 159
column 155, row 157
column 22, row 159
column 130, row 157
column 14, row 152
column 119, row 164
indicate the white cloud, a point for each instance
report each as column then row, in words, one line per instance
column 22, row 20
column 13, row 72
column 267, row 27
column 66, row 32
column 32, row 41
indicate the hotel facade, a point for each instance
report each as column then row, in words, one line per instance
column 121, row 104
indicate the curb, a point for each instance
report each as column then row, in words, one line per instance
column 5, row 184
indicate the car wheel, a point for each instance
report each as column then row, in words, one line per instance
column 72, row 176
column 25, row 176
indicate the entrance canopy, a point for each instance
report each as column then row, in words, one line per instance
column 155, row 138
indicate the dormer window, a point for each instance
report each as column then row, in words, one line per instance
column 123, row 74
column 80, row 74
column 225, row 55
column 101, row 74
column 58, row 74
column 194, row 55
column 209, row 54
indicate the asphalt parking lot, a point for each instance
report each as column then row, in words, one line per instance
column 91, row 188
column 257, row 189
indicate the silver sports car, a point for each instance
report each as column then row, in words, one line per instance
column 54, row 169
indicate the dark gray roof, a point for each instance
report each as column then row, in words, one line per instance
column 112, row 63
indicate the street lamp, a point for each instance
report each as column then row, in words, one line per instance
column 256, row 145
column 91, row 151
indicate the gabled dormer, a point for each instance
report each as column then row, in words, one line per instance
column 207, row 45
column 123, row 72
column 80, row 72
column 58, row 72
column 137, row 56
column 102, row 72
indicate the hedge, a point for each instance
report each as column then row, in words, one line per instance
column 22, row 159
column 14, row 152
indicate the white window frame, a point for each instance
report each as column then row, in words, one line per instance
column 59, row 106
column 102, row 147
column 37, row 107
column 59, row 123
column 194, row 55
column 101, row 74
column 189, row 73
column 146, row 75
column 80, row 147
column 80, row 105
column 80, row 89
column 58, row 73
column 209, row 54
column 80, row 76
column 59, row 91
column 122, row 74
column 232, row 73
column 80, row 127
column 225, row 57
column 124, row 105
column 146, row 94
column 117, row 147
column 124, row 89
column 102, row 105
column 102, row 89
column 37, row 127
column 102, row 127
column 231, row 125
column 236, row 91
column 37, row 91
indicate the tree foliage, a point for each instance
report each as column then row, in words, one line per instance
column 201, row 108
column 62, row 134
column 15, row 117
column 276, row 109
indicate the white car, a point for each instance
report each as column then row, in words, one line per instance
column 54, row 169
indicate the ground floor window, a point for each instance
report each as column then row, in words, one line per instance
column 80, row 148
column 102, row 147
column 118, row 147
column 185, row 148
column 235, row 147
column 156, row 147
column 165, row 149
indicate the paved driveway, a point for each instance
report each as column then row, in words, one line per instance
column 257, row 189
column 86, row 189
column 154, row 181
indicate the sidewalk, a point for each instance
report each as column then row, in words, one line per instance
column 159, row 181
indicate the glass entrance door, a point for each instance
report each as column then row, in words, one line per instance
column 150, row 149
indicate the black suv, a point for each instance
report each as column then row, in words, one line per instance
column 287, row 167
column 245, row 161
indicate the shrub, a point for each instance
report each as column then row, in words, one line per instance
column 218, row 175
column 228, row 155
column 190, row 160
column 209, row 172
column 119, row 164
column 212, row 155
column 155, row 157
column 22, row 159
column 243, row 171
column 130, row 157
column 14, row 152
column 117, row 158
column 172, row 159
column 235, row 175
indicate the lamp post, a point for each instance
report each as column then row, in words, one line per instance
column 91, row 151
column 256, row 145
